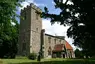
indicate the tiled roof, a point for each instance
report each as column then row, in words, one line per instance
column 68, row 46
column 59, row 47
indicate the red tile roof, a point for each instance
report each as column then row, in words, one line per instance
column 68, row 46
column 59, row 47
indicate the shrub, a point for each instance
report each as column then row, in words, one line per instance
column 32, row 56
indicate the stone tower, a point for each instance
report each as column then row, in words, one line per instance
column 30, row 30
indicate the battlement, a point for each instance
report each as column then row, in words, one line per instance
column 32, row 6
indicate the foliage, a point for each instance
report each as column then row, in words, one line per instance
column 8, row 28
column 80, row 17
column 32, row 56
column 78, row 54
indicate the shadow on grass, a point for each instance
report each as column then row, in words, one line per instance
column 63, row 62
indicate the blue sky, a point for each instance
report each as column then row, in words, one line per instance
column 55, row 29
column 49, row 4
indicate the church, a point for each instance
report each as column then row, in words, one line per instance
column 33, row 39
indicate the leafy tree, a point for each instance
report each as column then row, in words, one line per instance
column 79, row 54
column 80, row 17
column 8, row 31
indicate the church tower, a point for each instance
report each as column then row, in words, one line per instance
column 30, row 30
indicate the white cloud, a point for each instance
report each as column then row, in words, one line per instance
column 53, row 2
column 64, row 1
column 69, row 2
column 56, row 29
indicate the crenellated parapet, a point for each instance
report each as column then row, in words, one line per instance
column 33, row 7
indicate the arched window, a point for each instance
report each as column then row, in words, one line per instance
column 49, row 51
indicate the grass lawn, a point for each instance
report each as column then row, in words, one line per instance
column 47, row 61
column 16, row 61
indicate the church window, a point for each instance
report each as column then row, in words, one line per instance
column 49, row 39
column 49, row 51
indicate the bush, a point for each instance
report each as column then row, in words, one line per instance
column 32, row 56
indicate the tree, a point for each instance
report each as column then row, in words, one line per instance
column 79, row 54
column 80, row 16
column 8, row 31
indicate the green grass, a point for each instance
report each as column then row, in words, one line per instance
column 47, row 61
column 7, row 61
column 17, row 60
